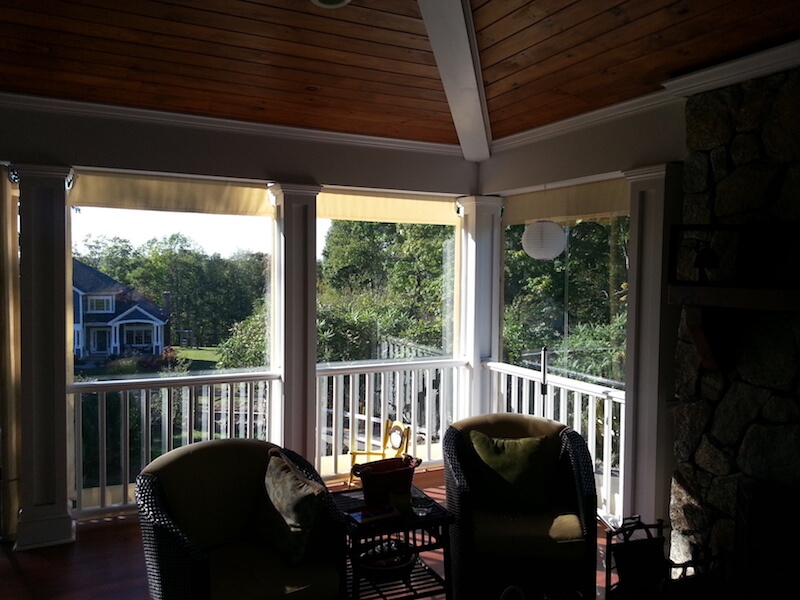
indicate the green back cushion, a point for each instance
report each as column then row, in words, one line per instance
column 512, row 471
column 298, row 501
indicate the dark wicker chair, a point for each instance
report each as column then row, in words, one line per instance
column 538, row 535
column 207, row 522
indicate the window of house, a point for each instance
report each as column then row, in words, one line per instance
column 100, row 304
column 138, row 336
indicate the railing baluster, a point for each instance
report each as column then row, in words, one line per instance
column 78, row 453
column 102, row 428
column 124, row 441
column 369, row 404
column 147, row 434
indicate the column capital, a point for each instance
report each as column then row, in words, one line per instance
column 643, row 173
column 20, row 172
column 480, row 203
column 282, row 190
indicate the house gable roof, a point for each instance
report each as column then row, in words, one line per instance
column 127, row 302
column 138, row 315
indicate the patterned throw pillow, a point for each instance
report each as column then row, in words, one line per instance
column 298, row 500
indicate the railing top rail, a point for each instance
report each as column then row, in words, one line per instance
column 167, row 382
column 210, row 379
column 557, row 380
column 353, row 368
column 501, row 367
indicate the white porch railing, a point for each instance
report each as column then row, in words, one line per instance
column 355, row 399
column 121, row 425
column 596, row 412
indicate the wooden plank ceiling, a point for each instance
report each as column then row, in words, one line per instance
column 369, row 68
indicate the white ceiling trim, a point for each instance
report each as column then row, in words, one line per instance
column 449, row 27
column 86, row 109
column 754, row 66
column 580, row 122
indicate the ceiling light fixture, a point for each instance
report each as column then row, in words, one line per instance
column 544, row 240
column 330, row 3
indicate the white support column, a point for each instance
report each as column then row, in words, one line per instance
column 656, row 201
column 45, row 289
column 482, row 282
column 295, row 327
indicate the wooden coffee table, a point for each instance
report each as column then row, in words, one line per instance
column 396, row 534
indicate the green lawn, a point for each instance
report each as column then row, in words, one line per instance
column 202, row 358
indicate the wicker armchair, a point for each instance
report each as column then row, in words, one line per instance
column 529, row 522
column 210, row 529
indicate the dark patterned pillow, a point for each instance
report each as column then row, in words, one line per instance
column 298, row 500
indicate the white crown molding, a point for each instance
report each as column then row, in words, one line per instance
column 603, row 115
column 646, row 173
column 754, row 66
column 86, row 109
column 554, row 185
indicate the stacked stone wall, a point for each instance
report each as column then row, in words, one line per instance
column 739, row 419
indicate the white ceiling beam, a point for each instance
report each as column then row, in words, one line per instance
column 450, row 30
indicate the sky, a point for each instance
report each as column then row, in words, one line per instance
column 215, row 234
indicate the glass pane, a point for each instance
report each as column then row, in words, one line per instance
column 190, row 292
column 385, row 291
column 575, row 305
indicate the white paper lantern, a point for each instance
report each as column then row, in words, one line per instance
column 544, row 240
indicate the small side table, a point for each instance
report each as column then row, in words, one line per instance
column 420, row 533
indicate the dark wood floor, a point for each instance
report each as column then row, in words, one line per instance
column 107, row 562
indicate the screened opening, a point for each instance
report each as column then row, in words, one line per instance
column 387, row 292
column 568, row 315
column 170, row 275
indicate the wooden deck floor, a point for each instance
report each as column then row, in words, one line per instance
column 107, row 561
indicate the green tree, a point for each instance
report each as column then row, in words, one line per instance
column 248, row 343
column 590, row 279
column 416, row 281
column 389, row 276
column 344, row 334
column 116, row 257
column 206, row 294
column 358, row 255
column 597, row 349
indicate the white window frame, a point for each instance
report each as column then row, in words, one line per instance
column 138, row 329
column 107, row 301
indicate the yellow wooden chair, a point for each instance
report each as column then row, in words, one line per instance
column 396, row 436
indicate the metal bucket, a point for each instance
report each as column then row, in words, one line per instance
column 387, row 481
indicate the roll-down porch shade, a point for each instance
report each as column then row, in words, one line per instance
column 596, row 200
column 177, row 194
column 187, row 194
column 386, row 207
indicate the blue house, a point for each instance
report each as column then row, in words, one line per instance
column 111, row 318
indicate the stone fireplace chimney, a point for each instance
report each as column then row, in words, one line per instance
column 737, row 274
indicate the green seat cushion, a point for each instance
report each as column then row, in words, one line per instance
column 515, row 471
